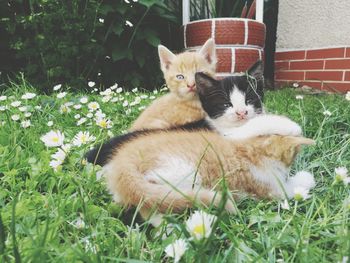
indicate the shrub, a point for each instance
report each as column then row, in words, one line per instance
column 76, row 41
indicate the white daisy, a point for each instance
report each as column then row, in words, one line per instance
column 49, row 123
column 199, row 225
column 104, row 123
column 300, row 193
column 176, row 249
column 347, row 96
column 28, row 96
column 2, row 98
column 38, row 107
column 81, row 121
column 82, row 138
column 134, row 90
column 89, row 115
column 77, row 116
column 119, row 90
column 77, row 106
column 341, row 175
column 327, row 113
column 23, row 108
column 115, row 99
column 115, row 86
column 128, row 23
column 93, row 105
column 3, row 108
column 91, row 84
column 25, row 124
column 61, row 95
column 64, row 109
column 59, row 156
column 15, row 117
column 78, row 223
column 99, row 114
column 299, row 97
column 125, row 103
column 57, row 87
column 285, row 205
column 144, row 96
column 84, row 100
column 106, row 99
column 106, row 92
column 152, row 97
column 27, row 114
column 295, row 84
column 16, row 103
column 53, row 138
column 55, row 164
column 101, row 20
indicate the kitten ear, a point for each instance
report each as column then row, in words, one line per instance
column 204, row 83
column 208, row 51
column 298, row 141
column 165, row 56
column 257, row 70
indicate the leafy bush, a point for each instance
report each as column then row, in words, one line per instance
column 75, row 41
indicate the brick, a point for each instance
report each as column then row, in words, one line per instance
column 224, row 60
column 290, row 55
column 347, row 76
column 325, row 53
column 197, row 33
column 280, row 65
column 245, row 58
column 281, row 84
column 336, row 86
column 308, row 64
column 313, row 84
column 289, row 75
column 256, row 33
column 337, row 64
column 229, row 32
column 324, row 75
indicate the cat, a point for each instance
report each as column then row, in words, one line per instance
column 171, row 170
column 181, row 105
column 228, row 103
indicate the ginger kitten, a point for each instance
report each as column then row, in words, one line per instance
column 162, row 170
column 181, row 105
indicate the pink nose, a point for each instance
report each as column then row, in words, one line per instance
column 191, row 87
column 242, row 113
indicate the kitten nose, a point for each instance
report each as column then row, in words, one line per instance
column 191, row 87
column 242, row 113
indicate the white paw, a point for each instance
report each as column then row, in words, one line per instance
column 303, row 179
column 285, row 126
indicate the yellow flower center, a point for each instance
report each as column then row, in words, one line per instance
column 199, row 230
column 55, row 139
column 298, row 197
column 103, row 123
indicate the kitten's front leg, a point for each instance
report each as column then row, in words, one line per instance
column 265, row 125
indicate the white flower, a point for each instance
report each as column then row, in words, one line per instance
column 347, row 96
column 99, row 74
column 176, row 249
column 81, row 121
column 82, row 138
column 125, row 103
column 2, row 98
column 128, row 23
column 128, row 111
column 77, row 116
column 110, row 134
column 115, row 99
column 25, row 124
column 93, row 106
column 16, row 103
column 152, row 97
column 199, row 225
column 3, row 108
column 79, row 223
column 84, row 100
column 53, row 138
column 155, row 91
column 60, row 155
column 66, row 147
column 285, row 205
column 77, row 106
column 300, row 193
column 144, row 96
column 299, row 97
column 134, row 90
column 57, row 87
column 327, row 113
column 127, row 1
column 64, row 109
column 91, row 84
column 28, row 96
column 119, row 90
column 341, row 175
column 38, row 107
column 141, row 108
column 49, row 123
column 61, row 95
column 107, row 92
column 136, row 101
column 99, row 114
column 27, row 114
column 115, row 86
column 90, row 115
column 15, row 117
column 55, row 164
column 101, row 20
column 106, row 99
column 295, row 84
column 104, row 123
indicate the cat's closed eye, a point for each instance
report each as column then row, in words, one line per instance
column 227, row 105
column 180, row 77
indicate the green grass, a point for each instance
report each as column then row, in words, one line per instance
column 39, row 207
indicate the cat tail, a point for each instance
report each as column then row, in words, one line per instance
column 135, row 189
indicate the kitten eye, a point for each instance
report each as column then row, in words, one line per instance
column 250, row 101
column 228, row 105
column 180, row 76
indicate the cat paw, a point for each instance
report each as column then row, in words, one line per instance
column 285, row 126
column 303, row 179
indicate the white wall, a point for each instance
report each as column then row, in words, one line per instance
column 306, row 24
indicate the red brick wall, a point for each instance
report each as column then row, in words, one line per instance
column 326, row 69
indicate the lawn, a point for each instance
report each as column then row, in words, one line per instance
column 63, row 213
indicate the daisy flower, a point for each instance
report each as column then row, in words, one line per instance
column 77, row 106
column 91, row 84
column 49, row 123
column 101, row 20
column 53, row 139
column 81, row 121
column 327, row 113
column 61, row 95
column 295, row 84
column 115, row 86
column 3, row 108
column 300, row 193
column 90, row 115
column 2, row 98
column 347, row 96
column 104, row 123
column 57, row 87
column 25, row 124
column 60, row 155
column 93, row 105
column 119, row 90
column 15, row 117
column 77, row 116
column 341, row 175
column 84, row 100
column 27, row 114
column 107, row 92
column 28, row 96
column 299, row 97
column 22, row 109
column 199, row 225
column 134, row 90
column 285, row 205
column 64, row 109
column 16, row 103
column 176, row 249
column 128, row 23
column 82, row 138
column 125, row 103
